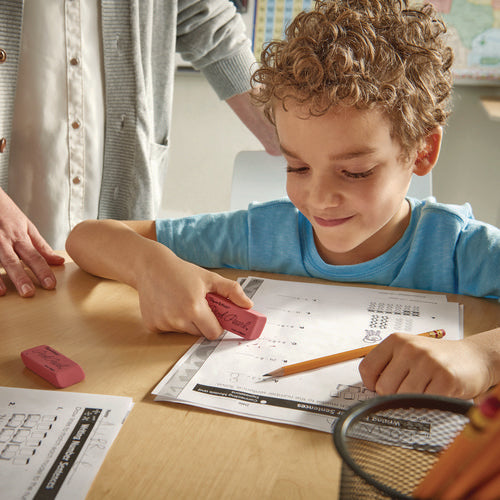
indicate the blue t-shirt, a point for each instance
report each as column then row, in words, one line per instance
column 443, row 249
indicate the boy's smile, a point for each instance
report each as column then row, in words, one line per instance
column 349, row 177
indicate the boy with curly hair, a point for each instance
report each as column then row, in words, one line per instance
column 358, row 91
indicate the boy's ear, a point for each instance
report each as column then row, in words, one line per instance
column 427, row 157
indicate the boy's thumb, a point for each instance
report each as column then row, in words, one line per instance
column 233, row 291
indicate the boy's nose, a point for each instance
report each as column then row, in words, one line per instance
column 325, row 192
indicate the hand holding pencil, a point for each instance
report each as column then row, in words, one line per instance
column 332, row 359
column 404, row 363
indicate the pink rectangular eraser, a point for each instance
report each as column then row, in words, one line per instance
column 53, row 366
column 246, row 323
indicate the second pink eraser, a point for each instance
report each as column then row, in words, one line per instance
column 53, row 366
column 246, row 323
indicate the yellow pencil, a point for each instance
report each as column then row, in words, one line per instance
column 462, row 453
column 336, row 358
column 484, row 466
column 488, row 491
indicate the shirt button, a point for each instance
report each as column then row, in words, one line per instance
column 3, row 56
column 77, row 180
column 75, row 124
column 74, row 61
column 3, row 144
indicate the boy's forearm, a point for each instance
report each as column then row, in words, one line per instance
column 110, row 249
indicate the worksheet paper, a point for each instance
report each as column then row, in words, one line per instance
column 304, row 321
column 52, row 443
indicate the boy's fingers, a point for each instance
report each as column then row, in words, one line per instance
column 372, row 365
column 200, row 322
column 415, row 382
column 391, row 378
column 232, row 291
column 208, row 326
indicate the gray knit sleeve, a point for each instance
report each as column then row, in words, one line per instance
column 211, row 36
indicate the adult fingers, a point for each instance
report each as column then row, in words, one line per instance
column 37, row 263
column 43, row 248
column 16, row 272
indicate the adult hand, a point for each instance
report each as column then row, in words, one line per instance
column 253, row 117
column 21, row 245
column 404, row 363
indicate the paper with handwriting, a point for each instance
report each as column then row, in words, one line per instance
column 304, row 321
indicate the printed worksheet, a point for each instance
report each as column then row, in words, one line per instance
column 52, row 443
column 304, row 321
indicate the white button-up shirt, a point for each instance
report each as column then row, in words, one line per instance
column 56, row 157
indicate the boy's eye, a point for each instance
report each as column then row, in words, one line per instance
column 358, row 175
column 296, row 170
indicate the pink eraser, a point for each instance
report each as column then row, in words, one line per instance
column 53, row 366
column 246, row 323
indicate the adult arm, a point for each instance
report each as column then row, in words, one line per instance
column 171, row 291
column 253, row 117
column 211, row 35
column 22, row 246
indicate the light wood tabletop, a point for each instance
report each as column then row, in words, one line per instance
column 167, row 450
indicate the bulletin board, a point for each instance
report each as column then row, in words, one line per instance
column 271, row 17
column 474, row 35
column 473, row 31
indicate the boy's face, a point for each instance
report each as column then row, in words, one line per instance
column 348, row 176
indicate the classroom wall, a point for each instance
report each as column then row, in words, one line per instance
column 206, row 136
column 469, row 164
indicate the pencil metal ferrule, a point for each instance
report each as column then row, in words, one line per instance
column 478, row 419
column 437, row 334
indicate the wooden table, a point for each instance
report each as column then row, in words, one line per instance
column 167, row 450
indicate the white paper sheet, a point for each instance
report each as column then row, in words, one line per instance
column 305, row 321
column 52, row 443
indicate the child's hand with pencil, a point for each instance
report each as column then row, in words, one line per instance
column 408, row 363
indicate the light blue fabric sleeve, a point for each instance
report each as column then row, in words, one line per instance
column 275, row 242
column 208, row 240
column 262, row 238
column 478, row 260
column 453, row 252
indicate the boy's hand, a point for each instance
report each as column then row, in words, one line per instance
column 172, row 295
column 405, row 363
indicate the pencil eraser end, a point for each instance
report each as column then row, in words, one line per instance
column 53, row 366
column 246, row 323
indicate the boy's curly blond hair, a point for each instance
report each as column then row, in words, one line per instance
column 363, row 53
